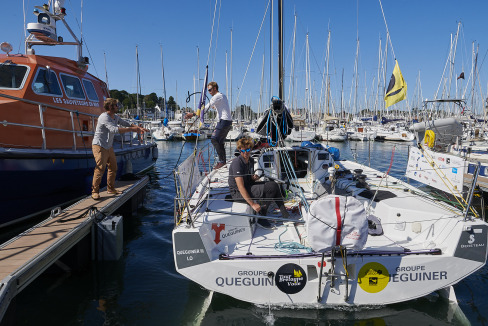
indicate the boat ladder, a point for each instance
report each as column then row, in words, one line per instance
column 331, row 274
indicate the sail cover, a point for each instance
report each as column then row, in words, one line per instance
column 337, row 221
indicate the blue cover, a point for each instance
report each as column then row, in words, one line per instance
column 335, row 152
column 309, row 144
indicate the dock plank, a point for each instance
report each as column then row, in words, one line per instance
column 27, row 246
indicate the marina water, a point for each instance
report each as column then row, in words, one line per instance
column 143, row 288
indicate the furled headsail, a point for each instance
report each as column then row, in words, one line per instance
column 277, row 122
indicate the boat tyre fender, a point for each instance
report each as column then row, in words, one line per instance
column 429, row 138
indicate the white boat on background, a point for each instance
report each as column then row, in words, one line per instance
column 165, row 133
column 234, row 134
column 331, row 131
column 298, row 135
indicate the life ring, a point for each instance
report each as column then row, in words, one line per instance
column 429, row 138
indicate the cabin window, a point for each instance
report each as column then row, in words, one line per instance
column 299, row 160
column 90, row 90
column 323, row 156
column 72, row 87
column 12, row 76
column 46, row 83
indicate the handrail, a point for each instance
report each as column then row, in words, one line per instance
column 44, row 104
column 42, row 107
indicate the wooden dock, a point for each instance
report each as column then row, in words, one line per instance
column 26, row 256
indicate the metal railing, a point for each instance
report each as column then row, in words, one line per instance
column 42, row 107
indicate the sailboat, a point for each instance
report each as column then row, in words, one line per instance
column 354, row 236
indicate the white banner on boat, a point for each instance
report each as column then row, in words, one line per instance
column 442, row 171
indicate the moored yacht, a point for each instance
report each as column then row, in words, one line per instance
column 354, row 235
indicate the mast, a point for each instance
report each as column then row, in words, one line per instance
column 376, row 102
column 342, row 94
column 327, row 73
column 271, row 49
column 292, row 76
column 164, row 83
column 308, row 86
column 356, row 79
column 280, row 51
column 231, row 71
column 106, row 75
column 198, row 77
column 137, row 84
column 261, row 89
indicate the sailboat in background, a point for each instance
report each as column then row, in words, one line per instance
column 165, row 132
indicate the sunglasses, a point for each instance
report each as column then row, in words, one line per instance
column 245, row 150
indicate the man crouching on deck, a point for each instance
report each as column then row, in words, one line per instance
column 102, row 146
column 243, row 185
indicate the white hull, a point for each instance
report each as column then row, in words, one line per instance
column 426, row 245
column 233, row 135
column 300, row 135
column 333, row 136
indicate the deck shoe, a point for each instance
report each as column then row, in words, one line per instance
column 95, row 196
column 114, row 192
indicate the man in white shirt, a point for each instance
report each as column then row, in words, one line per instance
column 220, row 103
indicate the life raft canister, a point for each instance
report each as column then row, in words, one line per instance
column 429, row 138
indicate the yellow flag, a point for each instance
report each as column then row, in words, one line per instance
column 397, row 89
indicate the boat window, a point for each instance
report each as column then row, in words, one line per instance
column 72, row 87
column 46, row 83
column 323, row 156
column 90, row 90
column 299, row 160
column 12, row 76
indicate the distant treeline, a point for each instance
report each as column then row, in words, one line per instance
column 129, row 101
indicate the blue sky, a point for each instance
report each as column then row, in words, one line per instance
column 420, row 32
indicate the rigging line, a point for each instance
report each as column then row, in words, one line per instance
column 252, row 53
column 211, row 33
column 387, row 31
column 381, row 181
column 444, row 177
column 216, row 41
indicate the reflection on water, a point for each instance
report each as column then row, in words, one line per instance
column 143, row 288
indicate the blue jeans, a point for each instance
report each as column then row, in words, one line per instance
column 218, row 138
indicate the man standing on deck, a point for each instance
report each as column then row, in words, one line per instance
column 102, row 145
column 220, row 103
